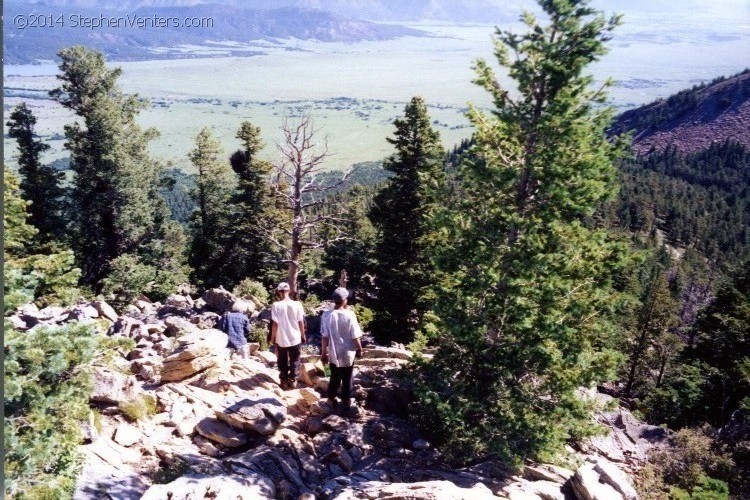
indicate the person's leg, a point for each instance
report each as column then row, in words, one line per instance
column 333, row 383
column 282, row 358
column 294, row 353
column 347, row 374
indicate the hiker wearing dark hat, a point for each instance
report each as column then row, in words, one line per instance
column 340, row 346
column 288, row 333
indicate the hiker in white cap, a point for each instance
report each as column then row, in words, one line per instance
column 288, row 333
column 341, row 344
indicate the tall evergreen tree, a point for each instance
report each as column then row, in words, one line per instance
column 400, row 213
column 526, row 287
column 653, row 339
column 117, row 210
column 209, row 225
column 723, row 349
column 253, row 210
column 40, row 184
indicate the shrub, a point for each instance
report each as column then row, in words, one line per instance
column 259, row 334
column 693, row 467
column 171, row 472
column 254, row 288
column 128, row 278
column 47, row 388
column 138, row 408
column 364, row 316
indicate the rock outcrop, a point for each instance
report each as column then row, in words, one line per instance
column 221, row 427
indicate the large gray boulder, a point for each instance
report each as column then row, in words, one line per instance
column 427, row 490
column 196, row 352
column 221, row 433
column 218, row 299
column 259, row 413
column 113, row 386
column 602, row 481
column 247, row 486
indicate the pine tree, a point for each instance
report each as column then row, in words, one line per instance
column 353, row 254
column 723, row 349
column 47, row 278
column 653, row 339
column 40, row 184
column 253, row 210
column 400, row 214
column 525, row 287
column 209, row 225
column 117, row 207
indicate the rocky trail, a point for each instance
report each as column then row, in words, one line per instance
column 179, row 417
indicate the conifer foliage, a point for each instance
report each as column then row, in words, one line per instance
column 40, row 184
column 117, row 210
column 401, row 214
column 210, row 221
column 253, row 209
column 526, row 288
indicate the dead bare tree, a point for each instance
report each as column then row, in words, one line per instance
column 303, row 196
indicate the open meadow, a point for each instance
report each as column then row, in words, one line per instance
column 354, row 91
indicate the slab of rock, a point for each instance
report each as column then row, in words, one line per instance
column 611, row 474
column 207, row 447
column 18, row 323
column 176, row 326
column 51, row 314
column 179, row 301
column 221, row 433
column 427, row 490
column 112, row 386
column 205, row 320
column 105, row 310
column 83, row 312
column 588, row 486
column 386, row 352
column 218, row 299
column 267, row 357
column 259, row 413
column 336, row 423
column 247, row 486
column 114, row 454
column 127, row 435
column 197, row 351
column 100, row 479
column 522, row 489
column 246, row 375
column 147, row 368
column 308, row 373
column 547, row 472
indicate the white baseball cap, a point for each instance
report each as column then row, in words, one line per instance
column 283, row 287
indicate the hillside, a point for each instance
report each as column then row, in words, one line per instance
column 693, row 119
column 180, row 416
column 232, row 28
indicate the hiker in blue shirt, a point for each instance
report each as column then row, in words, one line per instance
column 236, row 325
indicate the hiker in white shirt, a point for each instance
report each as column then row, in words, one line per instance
column 288, row 333
column 341, row 344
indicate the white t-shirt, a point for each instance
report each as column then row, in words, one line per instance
column 287, row 314
column 340, row 327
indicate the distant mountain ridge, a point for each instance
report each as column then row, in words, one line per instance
column 487, row 11
column 232, row 27
column 693, row 119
